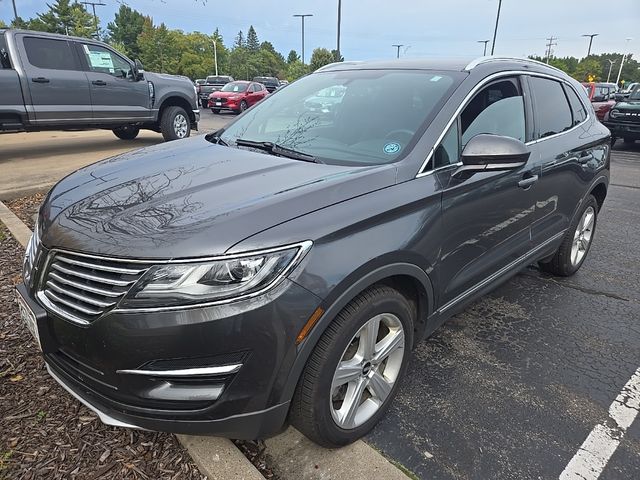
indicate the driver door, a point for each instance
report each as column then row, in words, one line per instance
column 115, row 95
column 487, row 216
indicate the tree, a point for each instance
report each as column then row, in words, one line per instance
column 293, row 57
column 253, row 44
column 336, row 57
column 240, row 41
column 296, row 70
column 66, row 18
column 3, row 25
column 320, row 57
column 125, row 29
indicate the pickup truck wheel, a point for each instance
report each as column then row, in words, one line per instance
column 574, row 248
column 355, row 369
column 204, row 103
column 175, row 124
column 628, row 140
column 215, row 110
column 126, row 133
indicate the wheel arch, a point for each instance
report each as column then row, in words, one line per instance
column 599, row 191
column 177, row 101
column 411, row 280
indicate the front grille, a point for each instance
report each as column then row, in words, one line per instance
column 221, row 100
column 633, row 117
column 81, row 288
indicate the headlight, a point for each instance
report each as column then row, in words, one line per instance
column 215, row 281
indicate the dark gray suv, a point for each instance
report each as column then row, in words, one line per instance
column 282, row 269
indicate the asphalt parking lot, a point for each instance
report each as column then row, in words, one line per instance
column 512, row 387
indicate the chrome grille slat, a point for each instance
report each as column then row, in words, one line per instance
column 104, row 268
column 82, row 298
column 88, row 288
column 93, row 278
column 81, row 288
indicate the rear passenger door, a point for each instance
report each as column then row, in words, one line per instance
column 568, row 154
column 58, row 88
column 116, row 95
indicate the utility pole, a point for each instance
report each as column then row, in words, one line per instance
column 338, row 39
column 302, row 18
column 495, row 31
column 484, row 54
column 549, row 51
column 611, row 63
column 15, row 11
column 624, row 57
column 215, row 55
column 591, row 35
column 398, row 45
column 95, row 17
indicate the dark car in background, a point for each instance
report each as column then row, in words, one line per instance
column 284, row 267
column 237, row 96
column 272, row 83
column 602, row 97
column 212, row 83
column 624, row 118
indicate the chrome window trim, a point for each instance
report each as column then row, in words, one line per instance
column 422, row 172
column 187, row 372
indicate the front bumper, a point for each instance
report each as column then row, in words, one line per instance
column 624, row 129
column 123, row 365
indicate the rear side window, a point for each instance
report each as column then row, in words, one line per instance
column 49, row 53
column 577, row 108
column 4, row 54
column 551, row 107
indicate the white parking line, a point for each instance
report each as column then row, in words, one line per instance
column 592, row 457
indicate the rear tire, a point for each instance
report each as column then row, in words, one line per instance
column 345, row 367
column 175, row 123
column 576, row 243
column 126, row 133
column 215, row 110
column 204, row 103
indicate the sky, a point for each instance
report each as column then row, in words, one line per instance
column 434, row 28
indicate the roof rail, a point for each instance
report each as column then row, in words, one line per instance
column 487, row 59
column 334, row 64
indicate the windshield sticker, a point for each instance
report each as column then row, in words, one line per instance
column 435, row 78
column 391, row 148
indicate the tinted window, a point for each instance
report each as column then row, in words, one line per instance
column 49, row 53
column 376, row 119
column 4, row 55
column 579, row 112
column 448, row 152
column 551, row 107
column 497, row 109
column 234, row 87
column 102, row 60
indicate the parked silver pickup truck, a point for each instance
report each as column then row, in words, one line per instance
column 57, row 82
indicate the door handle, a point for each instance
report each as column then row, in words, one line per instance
column 527, row 182
column 585, row 157
column 40, row 80
column 100, row 83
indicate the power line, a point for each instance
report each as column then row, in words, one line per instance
column 398, row 45
column 95, row 17
column 551, row 43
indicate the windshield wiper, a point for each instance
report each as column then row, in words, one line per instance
column 216, row 137
column 278, row 150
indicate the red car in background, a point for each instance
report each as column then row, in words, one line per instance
column 237, row 96
column 602, row 96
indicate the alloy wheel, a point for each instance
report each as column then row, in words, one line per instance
column 180, row 126
column 582, row 236
column 367, row 371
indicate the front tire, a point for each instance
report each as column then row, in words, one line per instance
column 354, row 372
column 576, row 243
column 243, row 106
column 126, row 133
column 175, row 123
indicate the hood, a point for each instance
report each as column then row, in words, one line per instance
column 191, row 198
column 628, row 105
column 167, row 77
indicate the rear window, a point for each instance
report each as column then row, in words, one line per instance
column 49, row 53
column 551, row 107
column 4, row 55
column 218, row 79
column 577, row 107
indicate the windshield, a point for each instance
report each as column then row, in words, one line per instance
column 235, row 87
column 635, row 95
column 375, row 122
column 217, row 79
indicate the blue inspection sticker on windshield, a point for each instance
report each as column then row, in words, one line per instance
column 391, row 148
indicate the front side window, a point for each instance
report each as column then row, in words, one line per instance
column 369, row 117
column 497, row 109
column 551, row 107
column 102, row 60
column 49, row 53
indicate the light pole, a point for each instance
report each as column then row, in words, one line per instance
column 338, row 38
column 484, row 54
column 624, row 56
column 398, row 45
column 590, row 35
column 302, row 16
column 215, row 55
column 611, row 63
column 495, row 31
column 15, row 11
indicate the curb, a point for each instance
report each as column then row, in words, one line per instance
column 19, row 230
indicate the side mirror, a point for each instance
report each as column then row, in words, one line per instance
column 486, row 152
column 137, row 70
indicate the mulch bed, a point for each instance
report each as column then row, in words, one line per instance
column 26, row 207
column 46, row 433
